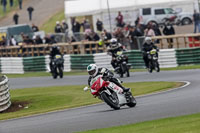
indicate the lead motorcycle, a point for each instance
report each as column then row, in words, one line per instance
column 122, row 65
column 57, row 66
column 110, row 93
column 153, row 61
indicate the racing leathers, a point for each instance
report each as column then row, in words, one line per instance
column 147, row 48
column 108, row 76
column 54, row 51
column 112, row 50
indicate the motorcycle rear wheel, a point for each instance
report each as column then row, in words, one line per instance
column 113, row 102
column 60, row 72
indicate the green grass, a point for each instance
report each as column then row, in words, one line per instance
column 43, row 74
column 8, row 9
column 45, row 99
column 49, row 26
column 181, row 124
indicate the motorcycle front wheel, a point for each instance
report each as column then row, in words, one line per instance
column 157, row 67
column 54, row 74
column 111, row 100
column 132, row 102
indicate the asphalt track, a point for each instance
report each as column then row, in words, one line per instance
column 178, row 102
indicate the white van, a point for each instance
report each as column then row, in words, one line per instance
column 157, row 15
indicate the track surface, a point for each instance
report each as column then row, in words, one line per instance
column 172, row 103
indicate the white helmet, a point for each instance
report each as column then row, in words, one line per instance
column 113, row 41
column 148, row 40
column 92, row 70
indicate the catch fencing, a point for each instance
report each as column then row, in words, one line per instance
column 5, row 102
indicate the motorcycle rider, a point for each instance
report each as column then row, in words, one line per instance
column 94, row 71
column 147, row 47
column 55, row 50
column 113, row 48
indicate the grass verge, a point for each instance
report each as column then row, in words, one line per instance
column 8, row 8
column 49, row 26
column 181, row 124
column 46, row 99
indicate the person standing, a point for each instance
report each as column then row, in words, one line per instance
column 99, row 25
column 196, row 19
column 30, row 10
column 4, row 3
column 15, row 18
column 20, row 4
column 169, row 30
column 11, row 3
column 120, row 20
column 58, row 28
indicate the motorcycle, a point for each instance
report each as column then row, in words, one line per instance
column 57, row 66
column 122, row 66
column 153, row 61
column 110, row 93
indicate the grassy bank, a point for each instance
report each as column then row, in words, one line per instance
column 45, row 99
column 49, row 26
column 8, row 8
column 182, row 124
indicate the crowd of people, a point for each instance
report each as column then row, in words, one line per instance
column 126, row 34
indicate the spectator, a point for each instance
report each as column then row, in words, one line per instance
column 4, row 3
column 99, row 25
column 30, row 10
column 38, row 40
column 95, row 36
column 20, row 4
column 65, row 27
column 3, row 41
column 131, row 36
column 47, row 39
column 157, row 31
column 86, row 26
column 11, row 3
column 108, row 36
column 196, row 19
column 87, row 37
column 76, row 30
column 13, row 42
column 169, row 30
column 35, row 28
column 15, row 18
column 139, row 31
column 27, row 40
column 58, row 27
column 149, row 31
column 119, row 19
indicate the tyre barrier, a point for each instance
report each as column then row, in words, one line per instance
column 5, row 102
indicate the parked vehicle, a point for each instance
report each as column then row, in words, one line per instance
column 57, row 66
column 122, row 65
column 160, row 15
column 110, row 93
column 153, row 61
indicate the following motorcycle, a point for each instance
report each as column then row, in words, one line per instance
column 110, row 93
column 122, row 65
column 153, row 61
column 57, row 66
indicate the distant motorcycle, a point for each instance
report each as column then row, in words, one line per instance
column 153, row 61
column 122, row 65
column 110, row 93
column 57, row 66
